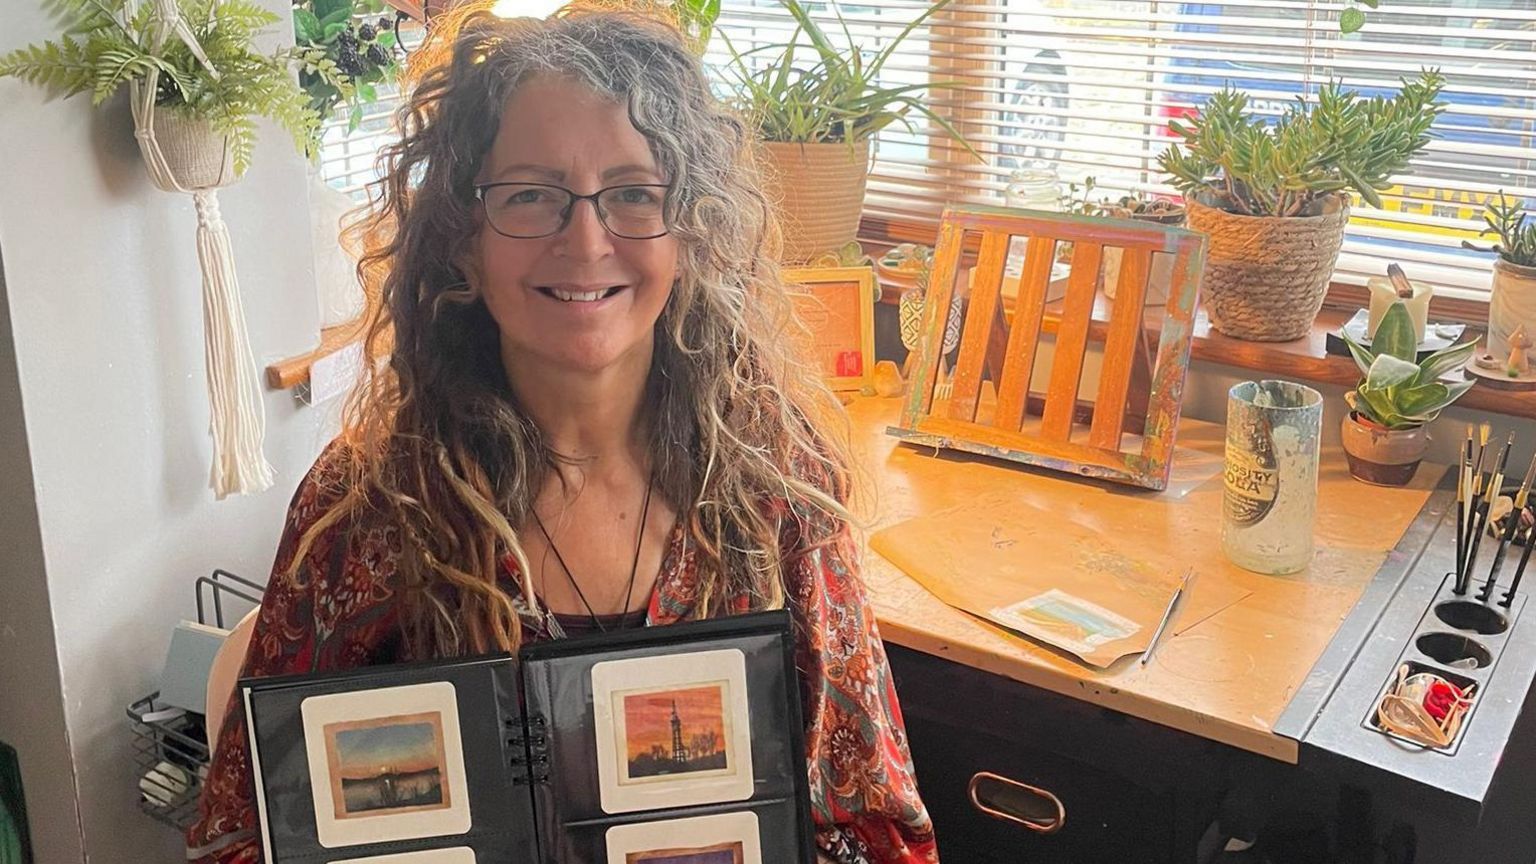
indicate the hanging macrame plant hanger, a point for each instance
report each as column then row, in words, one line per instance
column 203, row 164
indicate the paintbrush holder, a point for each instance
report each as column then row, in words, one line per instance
column 1270, row 500
column 1459, row 640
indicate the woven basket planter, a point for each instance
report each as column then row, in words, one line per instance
column 818, row 192
column 1265, row 276
column 198, row 157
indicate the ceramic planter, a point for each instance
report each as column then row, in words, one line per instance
column 1512, row 303
column 1266, row 276
column 1382, row 456
column 818, row 193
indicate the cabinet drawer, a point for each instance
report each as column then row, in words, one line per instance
column 1106, row 818
column 1132, row 791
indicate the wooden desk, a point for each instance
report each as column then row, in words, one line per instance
column 1228, row 678
column 1250, row 723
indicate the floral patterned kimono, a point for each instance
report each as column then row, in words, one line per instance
column 338, row 611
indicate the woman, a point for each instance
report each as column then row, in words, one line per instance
column 588, row 419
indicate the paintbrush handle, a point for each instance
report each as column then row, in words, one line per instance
column 1525, row 557
column 1461, row 547
column 1493, row 571
column 1479, row 520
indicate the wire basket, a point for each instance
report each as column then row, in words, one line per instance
column 171, row 755
column 170, row 745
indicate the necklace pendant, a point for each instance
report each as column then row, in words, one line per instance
column 552, row 626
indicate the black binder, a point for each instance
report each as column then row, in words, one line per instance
column 676, row 745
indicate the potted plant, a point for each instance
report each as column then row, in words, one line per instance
column 362, row 53
column 816, row 110
column 1272, row 194
column 1385, row 432
column 205, row 108
column 1513, row 299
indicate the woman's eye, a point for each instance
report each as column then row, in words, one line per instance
column 527, row 196
column 636, row 195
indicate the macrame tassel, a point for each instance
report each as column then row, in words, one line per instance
column 234, row 396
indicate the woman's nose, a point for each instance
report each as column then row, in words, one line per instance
column 584, row 236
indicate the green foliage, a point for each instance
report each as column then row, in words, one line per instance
column 109, row 43
column 349, row 56
column 1353, row 17
column 1342, row 142
column 1399, row 391
column 697, row 19
column 1516, row 230
column 834, row 94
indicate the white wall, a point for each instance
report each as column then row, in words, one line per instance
column 104, row 447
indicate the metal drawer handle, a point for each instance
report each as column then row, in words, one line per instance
column 1012, row 801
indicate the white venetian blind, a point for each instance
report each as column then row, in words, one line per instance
column 1089, row 85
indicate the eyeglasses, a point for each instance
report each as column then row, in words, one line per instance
column 527, row 211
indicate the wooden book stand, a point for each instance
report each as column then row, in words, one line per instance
column 1131, row 421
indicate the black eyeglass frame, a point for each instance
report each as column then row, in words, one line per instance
column 565, row 215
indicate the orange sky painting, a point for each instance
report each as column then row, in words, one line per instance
column 648, row 716
column 369, row 749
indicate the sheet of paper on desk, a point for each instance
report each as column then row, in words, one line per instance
column 1093, row 593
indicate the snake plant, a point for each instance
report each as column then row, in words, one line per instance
column 1399, row 391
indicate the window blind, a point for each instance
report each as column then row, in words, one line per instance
column 1088, row 87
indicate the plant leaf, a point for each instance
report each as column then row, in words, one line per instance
column 1351, row 20
column 1395, row 335
column 1445, row 360
column 1362, row 355
column 1388, row 372
column 1381, row 408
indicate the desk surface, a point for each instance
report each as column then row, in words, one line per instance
column 1227, row 678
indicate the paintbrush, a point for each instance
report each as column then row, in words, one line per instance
column 1462, row 476
column 1525, row 558
column 1509, row 530
column 1474, row 488
column 1489, row 494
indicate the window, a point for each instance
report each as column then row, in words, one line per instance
column 1090, row 86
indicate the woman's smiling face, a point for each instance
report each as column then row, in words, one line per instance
column 581, row 299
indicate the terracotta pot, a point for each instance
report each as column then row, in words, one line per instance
column 1266, row 276
column 1382, row 456
column 818, row 194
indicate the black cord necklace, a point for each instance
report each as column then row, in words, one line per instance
column 553, row 625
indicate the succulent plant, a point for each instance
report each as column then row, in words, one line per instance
column 1516, row 230
column 1399, row 391
column 1261, row 166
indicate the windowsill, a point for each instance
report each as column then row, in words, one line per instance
column 1305, row 359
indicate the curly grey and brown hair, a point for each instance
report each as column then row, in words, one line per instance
column 742, row 433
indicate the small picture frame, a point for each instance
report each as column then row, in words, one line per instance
column 386, row 764
column 837, row 306
column 672, row 731
column 722, row 838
